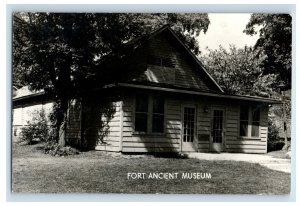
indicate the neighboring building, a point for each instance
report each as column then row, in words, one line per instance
column 173, row 105
column 26, row 104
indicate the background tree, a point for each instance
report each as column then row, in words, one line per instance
column 238, row 71
column 63, row 53
column 274, row 44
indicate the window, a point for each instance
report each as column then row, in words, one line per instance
column 249, row 121
column 149, row 113
column 158, row 114
column 141, row 113
column 161, row 61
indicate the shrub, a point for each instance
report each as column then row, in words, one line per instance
column 37, row 129
column 274, row 141
column 55, row 149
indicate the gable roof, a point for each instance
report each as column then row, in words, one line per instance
column 201, row 93
column 142, row 40
column 24, row 93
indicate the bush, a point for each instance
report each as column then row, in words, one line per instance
column 274, row 141
column 37, row 129
column 55, row 149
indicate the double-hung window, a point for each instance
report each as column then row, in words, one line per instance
column 149, row 113
column 158, row 114
column 141, row 113
column 249, row 121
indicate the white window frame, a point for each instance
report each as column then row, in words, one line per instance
column 250, row 120
column 149, row 117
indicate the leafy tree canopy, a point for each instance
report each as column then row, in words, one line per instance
column 238, row 71
column 56, row 50
column 63, row 53
column 274, row 44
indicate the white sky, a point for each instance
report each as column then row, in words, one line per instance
column 226, row 29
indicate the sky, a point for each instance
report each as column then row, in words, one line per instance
column 226, row 29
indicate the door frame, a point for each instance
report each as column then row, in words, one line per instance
column 213, row 108
column 195, row 140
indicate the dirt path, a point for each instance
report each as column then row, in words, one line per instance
column 273, row 163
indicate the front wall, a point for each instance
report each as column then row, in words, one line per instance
column 134, row 142
column 171, row 141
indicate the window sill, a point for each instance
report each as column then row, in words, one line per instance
column 250, row 138
column 148, row 134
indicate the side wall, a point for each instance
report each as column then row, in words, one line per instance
column 94, row 127
column 171, row 139
column 112, row 141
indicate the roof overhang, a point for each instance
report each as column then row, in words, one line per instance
column 201, row 93
column 28, row 96
column 173, row 90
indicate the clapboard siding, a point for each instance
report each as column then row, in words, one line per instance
column 203, row 127
column 183, row 74
column 24, row 112
column 150, row 139
column 250, row 151
column 169, row 141
column 203, row 146
column 108, row 148
column 149, row 149
column 244, row 142
column 111, row 142
column 245, row 146
column 121, row 135
column 235, row 143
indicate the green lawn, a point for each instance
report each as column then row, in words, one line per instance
column 100, row 172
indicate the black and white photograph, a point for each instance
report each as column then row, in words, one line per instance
column 151, row 103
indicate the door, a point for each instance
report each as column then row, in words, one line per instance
column 188, row 143
column 217, row 133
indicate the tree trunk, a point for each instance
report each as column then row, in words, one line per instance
column 62, row 134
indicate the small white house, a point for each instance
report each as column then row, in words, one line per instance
column 175, row 105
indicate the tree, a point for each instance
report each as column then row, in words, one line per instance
column 274, row 43
column 238, row 71
column 65, row 53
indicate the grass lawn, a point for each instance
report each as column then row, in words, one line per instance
column 101, row 172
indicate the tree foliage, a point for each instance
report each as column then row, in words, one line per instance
column 65, row 53
column 238, row 71
column 274, row 44
column 37, row 130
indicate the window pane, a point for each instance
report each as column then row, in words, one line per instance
column 255, row 129
column 255, row 114
column 244, row 112
column 158, row 104
column 158, row 123
column 141, row 122
column 244, row 128
column 189, row 124
column 141, row 104
column 217, row 126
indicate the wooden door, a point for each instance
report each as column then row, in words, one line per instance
column 189, row 143
column 217, row 130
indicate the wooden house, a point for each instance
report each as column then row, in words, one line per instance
column 174, row 105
